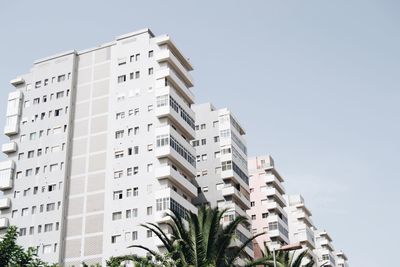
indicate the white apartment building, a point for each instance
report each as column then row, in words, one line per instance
column 324, row 249
column 99, row 143
column 267, row 203
column 222, row 178
column 341, row 259
column 300, row 225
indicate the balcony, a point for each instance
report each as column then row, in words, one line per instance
column 167, row 172
column 6, row 174
column 17, row 81
column 303, row 216
column 176, row 115
column 273, row 192
column 237, row 195
column 168, row 151
column 324, row 243
column 4, row 223
column 5, row 203
column 273, row 205
column 167, row 56
column 175, row 81
column 11, row 129
column 272, row 179
column 304, row 236
column 9, row 148
column 160, row 216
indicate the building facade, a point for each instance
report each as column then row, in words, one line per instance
column 222, row 178
column 300, row 225
column 99, row 143
column 341, row 259
column 324, row 250
column 267, row 211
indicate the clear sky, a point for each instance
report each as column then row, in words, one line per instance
column 315, row 84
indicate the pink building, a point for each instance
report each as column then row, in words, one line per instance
column 267, row 203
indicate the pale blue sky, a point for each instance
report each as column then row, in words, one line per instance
column 315, row 83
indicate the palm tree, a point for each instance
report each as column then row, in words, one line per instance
column 205, row 242
column 285, row 258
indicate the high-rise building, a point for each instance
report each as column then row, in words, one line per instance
column 99, row 143
column 300, row 225
column 324, row 249
column 267, row 211
column 222, row 178
column 341, row 259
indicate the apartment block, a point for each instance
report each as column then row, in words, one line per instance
column 300, row 225
column 99, row 142
column 267, row 211
column 222, row 178
column 324, row 249
column 341, row 259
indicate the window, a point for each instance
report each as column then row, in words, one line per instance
column 149, row 167
column 128, row 214
column 121, row 78
column 48, row 227
column 32, row 136
column 118, row 174
column 51, row 187
column 264, row 215
column 119, row 134
column 115, row 239
column 150, row 147
column 129, row 171
column 273, row 226
column 203, row 126
column 47, row 249
column 151, row 52
column 136, row 130
column 117, row 195
column 216, row 139
column 128, row 192
column 137, row 74
column 253, row 217
column 28, row 172
column 162, row 140
column 149, row 127
column 57, row 112
column 135, row 170
column 252, row 203
column 149, row 233
column 149, row 210
column 134, row 213
column 136, row 111
column 31, row 230
column 120, row 115
column 134, row 235
column 149, row 107
column 119, row 154
column 151, row 71
column 117, row 216
column 204, row 157
column 59, row 94
column 50, row 206
column 137, row 57
column 38, row 84
column 203, row 142
column 205, row 189
column 36, row 101
column 135, row 191
column 31, row 154
column 61, row 78
column 24, row 212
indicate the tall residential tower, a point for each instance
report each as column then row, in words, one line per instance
column 222, row 178
column 99, row 143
